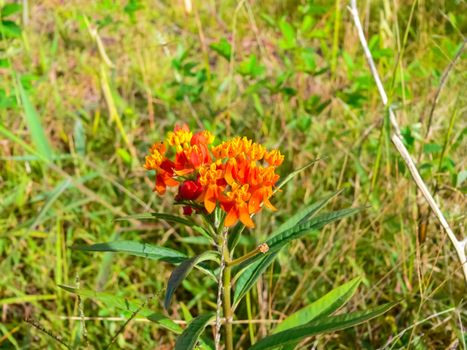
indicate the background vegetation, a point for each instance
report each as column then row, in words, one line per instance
column 86, row 87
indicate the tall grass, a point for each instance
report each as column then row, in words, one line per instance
column 294, row 78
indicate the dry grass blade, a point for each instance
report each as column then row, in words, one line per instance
column 397, row 141
column 443, row 81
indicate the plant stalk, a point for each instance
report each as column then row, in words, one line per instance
column 243, row 258
column 228, row 313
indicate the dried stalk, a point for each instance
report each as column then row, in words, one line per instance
column 396, row 139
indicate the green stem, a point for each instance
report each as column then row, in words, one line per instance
column 250, row 317
column 242, row 258
column 228, row 313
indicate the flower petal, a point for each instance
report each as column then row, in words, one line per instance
column 231, row 218
column 245, row 216
column 254, row 205
column 210, row 200
column 160, row 185
column 268, row 204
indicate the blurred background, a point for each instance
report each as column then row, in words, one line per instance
column 87, row 86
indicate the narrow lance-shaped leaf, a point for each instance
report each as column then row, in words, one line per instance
column 234, row 236
column 248, row 275
column 188, row 339
column 324, row 306
column 34, row 125
column 144, row 250
column 306, row 213
column 181, row 271
column 292, row 175
column 322, row 325
column 110, row 300
column 281, row 239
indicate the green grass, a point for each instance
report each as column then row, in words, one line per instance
column 78, row 111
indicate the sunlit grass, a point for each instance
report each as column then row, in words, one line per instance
column 292, row 81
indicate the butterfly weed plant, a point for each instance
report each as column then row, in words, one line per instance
column 221, row 186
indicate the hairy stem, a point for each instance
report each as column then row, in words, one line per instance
column 222, row 244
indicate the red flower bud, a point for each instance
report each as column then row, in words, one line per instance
column 189, row 190
column 187, row 210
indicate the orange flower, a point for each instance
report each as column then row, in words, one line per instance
column 180, row 137
column 157, row 161
column 238, row 175
column 274, row 158
column 235, row 203
column 192, row 150
column 212, row 178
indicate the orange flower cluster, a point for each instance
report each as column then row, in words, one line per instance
column 237, row 175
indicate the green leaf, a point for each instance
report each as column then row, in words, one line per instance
column 234, row 236
column 181, row 271
column 293, row 174
column 249, row 277
column 144, row 250
column 432, row 148
column 9, row 29
column 308, row 58
column 132, row 7
column 306, row 212
column 223, row 48
column 34, row 125
column 110, row 300
column 322, row 325
column 188, row 339
column 249, row 271
column 324, row 306
column 281, row 239
column 10, row 9
column 250, row 67
column 288, row 34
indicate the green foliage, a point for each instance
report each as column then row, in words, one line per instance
column 322, row 325
column 252, row 269
column 251, row 68
column 35, row 125
column 132, row 7
column 112, row 301
column 187, row 340
column 144, row 250
column 306, row 213
column 9, row 29
column 249, row 277
column 9, row 9
column 181, row 271
column 67, row 174
column 223, row 48
column 324, row 306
